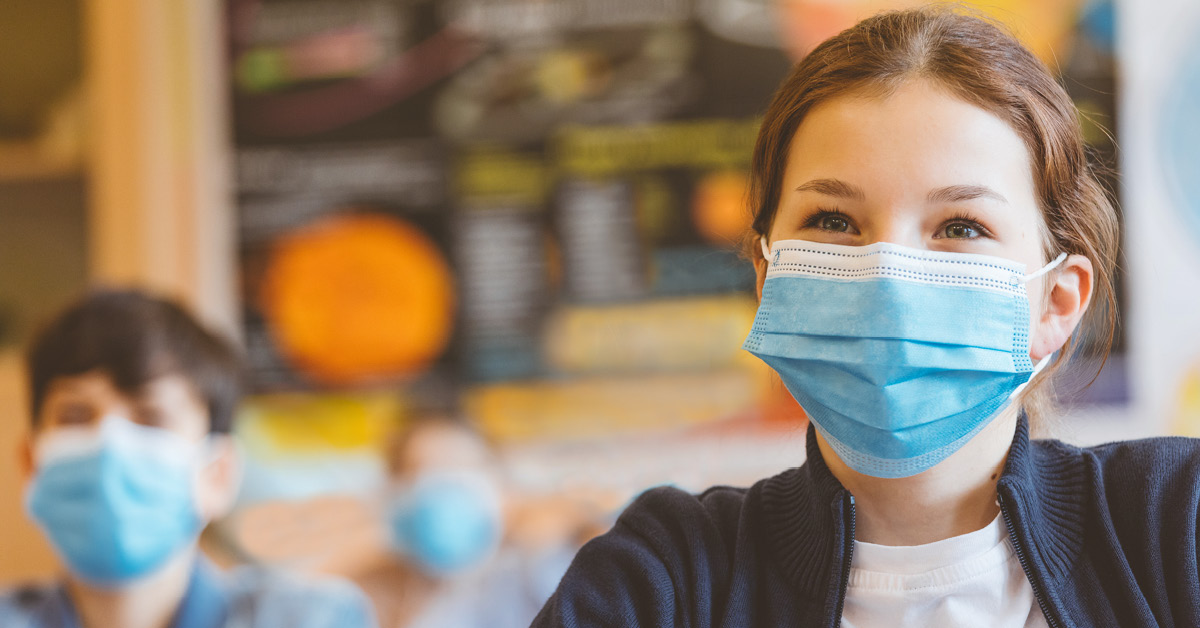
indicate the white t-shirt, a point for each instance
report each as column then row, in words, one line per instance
column 969, row 580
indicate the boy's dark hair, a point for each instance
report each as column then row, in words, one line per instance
column 136, row 338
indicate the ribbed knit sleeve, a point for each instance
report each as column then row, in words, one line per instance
column 664, row 563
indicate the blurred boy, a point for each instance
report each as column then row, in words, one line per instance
column 129, row 458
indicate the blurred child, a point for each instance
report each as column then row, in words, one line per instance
column 479, row 555
column 129, row 458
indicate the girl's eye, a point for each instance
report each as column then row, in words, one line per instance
column 834, row 223
column 962, row 228
column 959, row 230
column 826, row 220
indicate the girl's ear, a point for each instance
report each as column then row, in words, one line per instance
column 1068, row 297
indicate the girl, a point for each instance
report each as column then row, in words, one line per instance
column 929, row 234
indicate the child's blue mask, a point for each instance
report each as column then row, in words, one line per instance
column 116, row 500
column 447, row 521
column 899, row 356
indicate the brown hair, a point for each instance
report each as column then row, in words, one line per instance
column 983, row 64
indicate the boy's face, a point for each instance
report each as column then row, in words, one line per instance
column 168, row 402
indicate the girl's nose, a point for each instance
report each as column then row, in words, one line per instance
column 894, row 226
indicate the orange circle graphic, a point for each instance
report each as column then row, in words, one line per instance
column 358, row 297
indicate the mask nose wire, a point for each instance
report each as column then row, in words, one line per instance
column 766, row 251
column 1047, row 268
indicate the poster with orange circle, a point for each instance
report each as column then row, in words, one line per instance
column 358, row 297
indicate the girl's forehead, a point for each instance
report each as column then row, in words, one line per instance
column 918, row 136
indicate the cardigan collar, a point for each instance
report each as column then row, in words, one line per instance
column 1042, row 484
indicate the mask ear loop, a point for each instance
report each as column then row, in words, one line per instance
column 1047, row 268
column 1042, row 363
column 762, row 240
column 1037, row 368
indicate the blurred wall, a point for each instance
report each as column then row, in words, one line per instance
column 24, row 554
column 43, row 250
column 1160, row 53
column 157, row 159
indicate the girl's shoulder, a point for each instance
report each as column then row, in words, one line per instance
column 666, row 548
column 1161, row 457
column 667, row 511
column 1134, row 477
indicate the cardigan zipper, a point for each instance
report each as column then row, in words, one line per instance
column 1034, row 583
column 847, row 555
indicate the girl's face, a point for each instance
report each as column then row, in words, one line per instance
column 919, row 168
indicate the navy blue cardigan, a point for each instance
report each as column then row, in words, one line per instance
column 1107, row 537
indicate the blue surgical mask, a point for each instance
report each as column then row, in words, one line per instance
column 898, row 356
column 115, row 499
column 447, row 522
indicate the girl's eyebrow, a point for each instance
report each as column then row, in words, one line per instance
column 959, row 193
column 833, row 187
column 949, row 194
